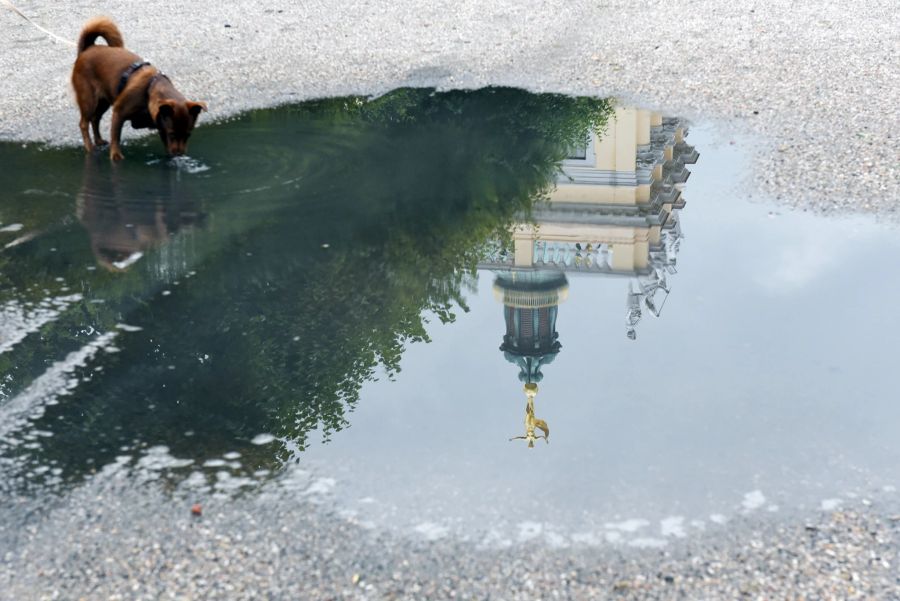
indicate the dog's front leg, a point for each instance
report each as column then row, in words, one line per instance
column 115, row 135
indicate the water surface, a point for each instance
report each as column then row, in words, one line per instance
column 338, row 292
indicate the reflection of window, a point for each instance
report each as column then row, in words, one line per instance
column 526, row 325
column 582, row 153
column 544, row 323
column 578, row 152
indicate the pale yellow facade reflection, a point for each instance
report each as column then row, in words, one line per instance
column 614, row 199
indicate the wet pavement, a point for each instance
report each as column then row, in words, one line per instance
column 482, row 319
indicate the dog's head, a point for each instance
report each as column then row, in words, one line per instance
column 175, row 120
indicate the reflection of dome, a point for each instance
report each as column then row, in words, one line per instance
column 531, row 300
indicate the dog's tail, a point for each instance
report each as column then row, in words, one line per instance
column 99, row 27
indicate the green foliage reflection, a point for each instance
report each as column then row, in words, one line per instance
column 308, row 257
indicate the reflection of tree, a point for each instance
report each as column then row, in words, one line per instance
column 304, row 291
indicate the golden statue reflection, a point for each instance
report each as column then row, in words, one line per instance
column 531, row 421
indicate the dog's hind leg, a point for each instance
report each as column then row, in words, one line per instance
column 95, row 122
column 84, row 124
column 87, row 104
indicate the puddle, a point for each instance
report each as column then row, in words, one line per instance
column 494, row 315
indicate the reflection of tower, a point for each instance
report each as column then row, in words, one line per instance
column 530, row 305
column 615, row 211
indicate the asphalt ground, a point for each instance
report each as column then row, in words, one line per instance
column 814, row 86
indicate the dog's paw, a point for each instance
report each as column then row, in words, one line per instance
column 116, row 155
column 101, row 142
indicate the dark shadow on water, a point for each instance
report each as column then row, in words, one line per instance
column 255, row 288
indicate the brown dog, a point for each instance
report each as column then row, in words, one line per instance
column 111, row 76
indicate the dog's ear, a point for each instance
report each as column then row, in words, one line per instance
column 195, row 108
column 166, row 108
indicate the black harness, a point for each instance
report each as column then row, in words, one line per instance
column 127, row 73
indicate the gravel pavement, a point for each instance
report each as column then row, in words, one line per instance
column 814, row 87
column 814, row 84
column 109, row 540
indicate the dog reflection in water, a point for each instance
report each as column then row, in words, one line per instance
column 532, row 422
column 126, row 214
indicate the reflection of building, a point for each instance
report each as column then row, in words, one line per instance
column 615, row 210
column 530, row 304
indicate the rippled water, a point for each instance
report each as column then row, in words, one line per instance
column 362, row 296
